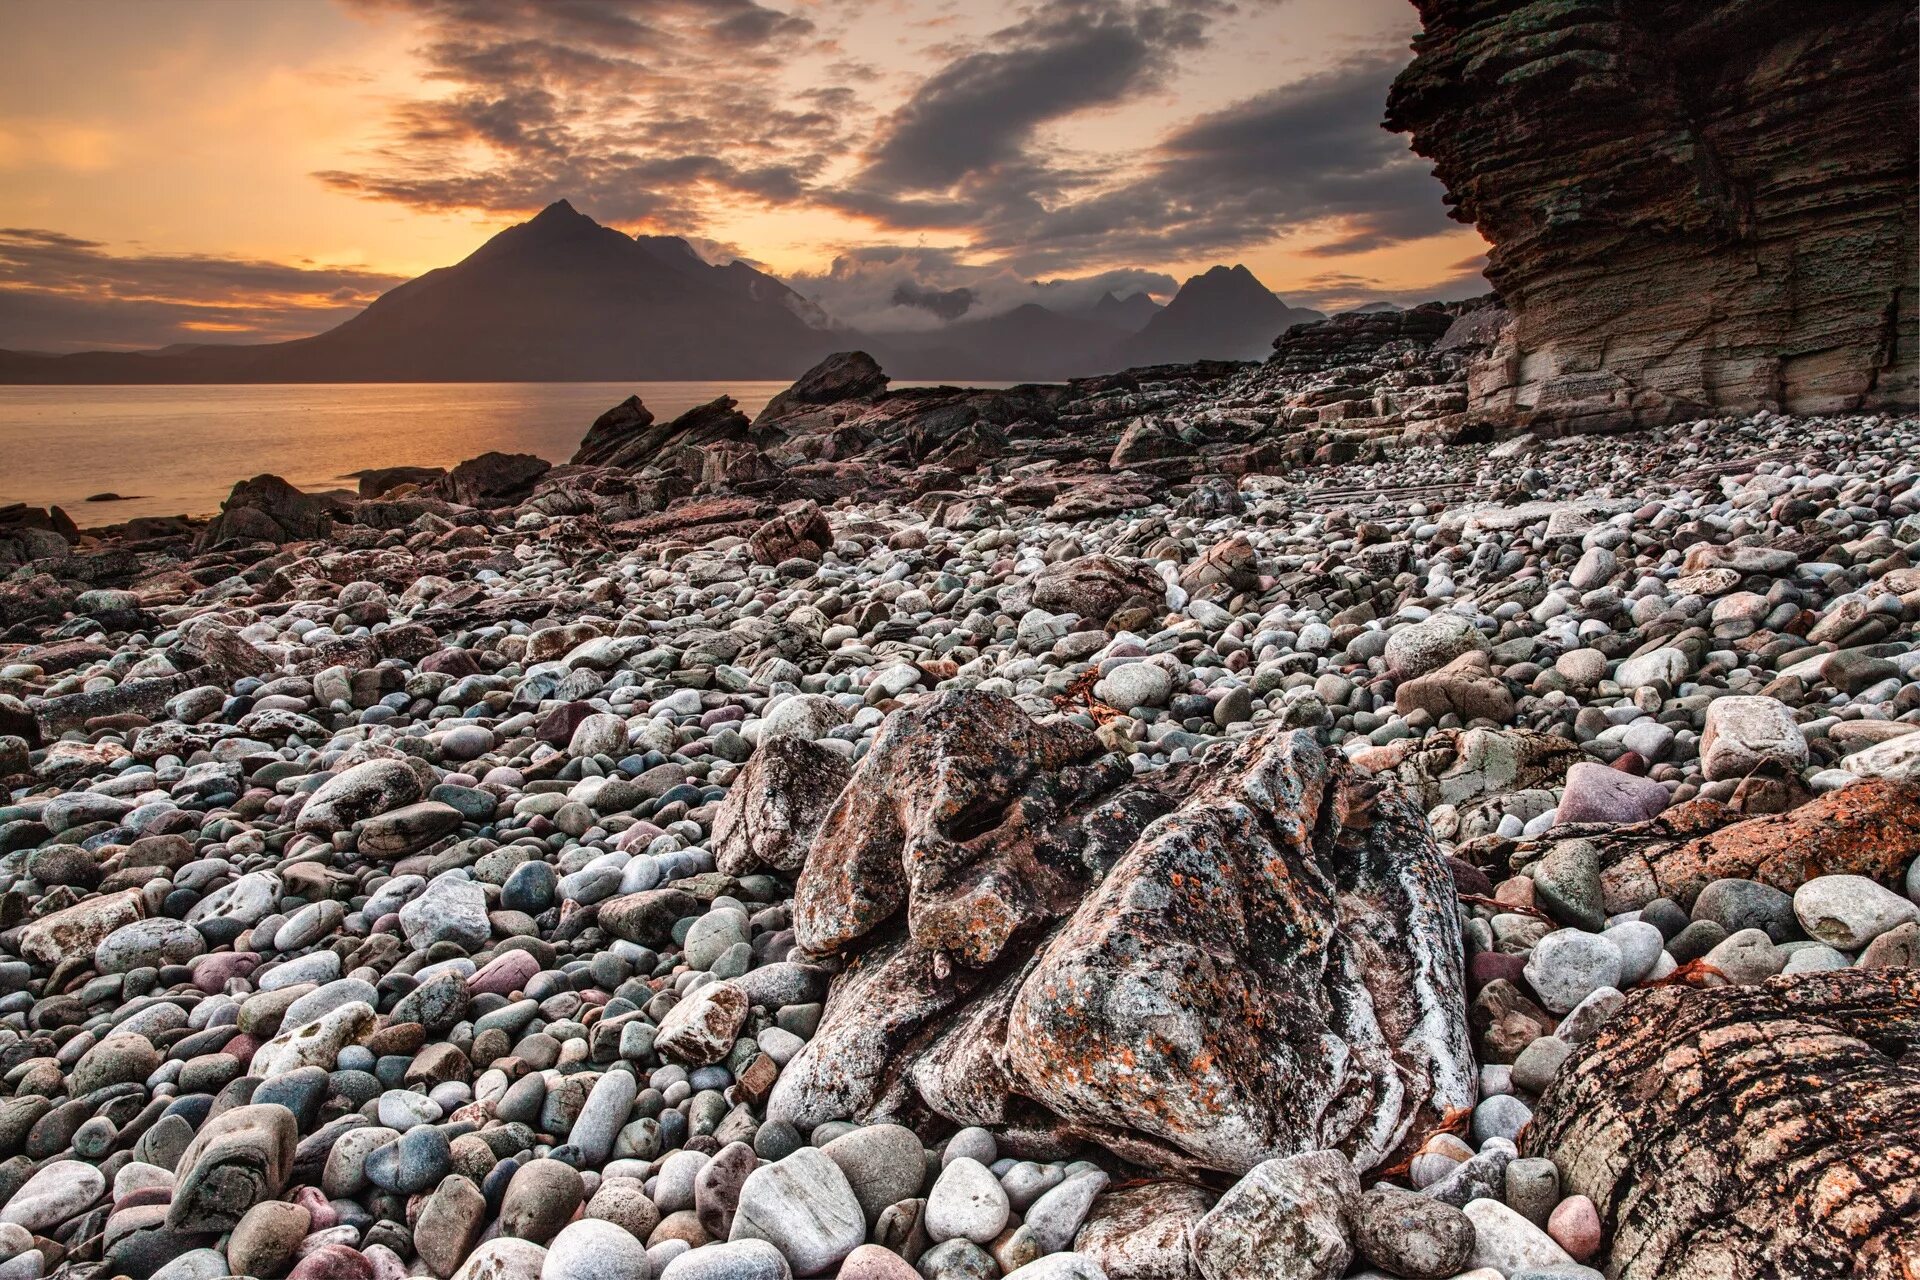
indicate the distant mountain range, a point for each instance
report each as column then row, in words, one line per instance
column 561, row 298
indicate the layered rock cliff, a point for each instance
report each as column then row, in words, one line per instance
column 1691, row 206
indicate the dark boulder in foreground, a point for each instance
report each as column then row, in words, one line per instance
column 1749, row 1131
column 1272, row 967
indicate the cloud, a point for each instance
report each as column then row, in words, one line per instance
column 1342, row 291
column 640, row 111
column 1306, row 157
column 62, row 293
column 897, row 288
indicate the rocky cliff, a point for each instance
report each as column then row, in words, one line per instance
column 1692, row 206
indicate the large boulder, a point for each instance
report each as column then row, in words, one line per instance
column 1098, row 586
column 1748, row 1131
column 1273, row 967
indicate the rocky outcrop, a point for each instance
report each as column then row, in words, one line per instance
column 845, row 375
column 1692, row 207
column 1751, row 1131
column 268, row 509
column 1271, row 967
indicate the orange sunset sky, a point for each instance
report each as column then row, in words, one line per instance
column 194, row 170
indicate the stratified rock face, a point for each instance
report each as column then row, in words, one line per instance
column 1747, row 1132
column 1201, row 970
column 1692, row 206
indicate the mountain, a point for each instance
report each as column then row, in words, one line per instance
column 1223, row 314
column 558, row 298
column 1130, row 313
column 1030, row 343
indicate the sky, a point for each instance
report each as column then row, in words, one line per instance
column 219, row 170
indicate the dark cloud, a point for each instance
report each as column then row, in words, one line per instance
column 979, row 112
column 1309, row 153
column 947, row 304
column 61, row 293
column 637, row 110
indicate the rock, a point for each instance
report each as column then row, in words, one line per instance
column 1575, row 1227
column 1568, row 965
column 967, row 1202
column 540, row 1199
column 803, row 715
column 1210, row 872
column 1465, row 688
column 1420, row 647
column 78, row 929
column 1600, row 289
column 776, row 805
column 317, row 1043
column 1848, row 912
column 1141, row 1233
column 1872, row 829
column 1411, row 1235
column 503, row 1259
column 1645, row 671
column 1134, row 684
column 238, row 1159
column 1286, row 1219
column 804, row 1207
column 1818, row 1150
column 450, row 909
column 358, row 793
column 1507, row 1243
column 494, row 479
column 1596, row 793
column 148, row 943
column 871, row 1262
column 883, row 1163
column 1098, row 586
column 266, row 1238
column 1896, row 760
column 801, row 533
column 450, row 1220
column 701, row 1028
column 1744, row 735
column 845, row 375
column 267, row 507
column 733, row 1260
column 55, row 1194
column 593, row 1249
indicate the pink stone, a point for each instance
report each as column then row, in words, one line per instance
column 506, row 973
column 871, row 1262
column 1575, row 1227
column 211, row 973
column 320, row 1211
column 1595, row 793
column 333, row 1262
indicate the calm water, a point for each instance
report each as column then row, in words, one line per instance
column 178, row 450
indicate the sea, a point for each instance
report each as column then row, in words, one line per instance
column 171, row 450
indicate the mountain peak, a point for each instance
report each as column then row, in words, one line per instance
column 560, row 210
column 1222, row 313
